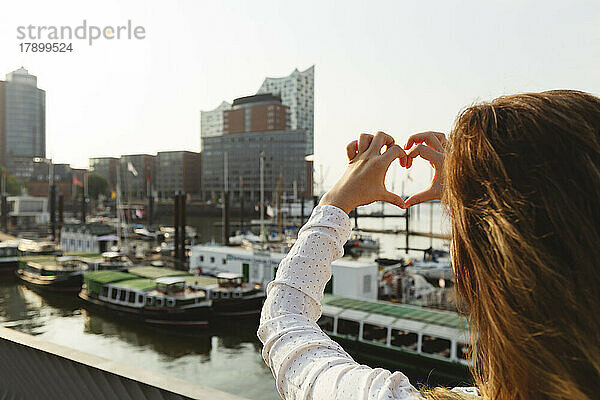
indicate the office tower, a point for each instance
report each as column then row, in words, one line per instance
column 105, row 167
column 261, row 112
column 177, row 171
column 211, row 122
column 22, row 123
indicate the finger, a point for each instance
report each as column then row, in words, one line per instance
column 394, row 199
column 352, row 149
column 381, row 139
column 429, row 138
column 426, row 152
column 392, row 153
column 442, row 138
column 427, row 195
column 364, row 140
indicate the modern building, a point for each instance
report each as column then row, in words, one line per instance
column 105, row 167
column 22, row 123
column 137, row 175
column 211, row 122
column 27, row 212
column 297, row 92
column 177, row 171
column 237, row 156
column 260, row 112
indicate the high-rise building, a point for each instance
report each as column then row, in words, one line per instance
column 297, row 92
column 177, row 171
column 105, row 167
column 22, row 123
column 211, row 122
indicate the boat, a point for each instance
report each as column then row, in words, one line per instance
column 359, row 241
column 32, row 248
column 400, row 337
column 9, row 257
column 168, row 297
column 65, row 273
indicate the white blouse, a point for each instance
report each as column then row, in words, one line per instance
column 305, row 362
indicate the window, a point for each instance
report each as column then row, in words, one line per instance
column 104, row 291
column 149, row 300
column 404, row 339
column 140, row 298
column 225, row 294
column 201, row 258
column 437, row 346
column 131, row 297
column 122, row 295
column 212, row 259
column 224, row 261
column 215, row 295
column 160, row 301
column 367, row 284
column 113, row 294
column 347, row 327
column 326, row 323
column 375, row 333
column 463, row 351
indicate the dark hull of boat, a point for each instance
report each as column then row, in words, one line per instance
column 65, row 284
column 8, row 267
column 238, row 307
column 429, row 370
column 196, row 317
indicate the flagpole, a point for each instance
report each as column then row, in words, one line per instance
column 118, row 204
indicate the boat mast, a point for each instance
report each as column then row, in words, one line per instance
column 119, row 204
column 262, row 193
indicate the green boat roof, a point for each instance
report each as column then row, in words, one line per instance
column 109, row 276
column 139, row 284
column 156, row 272
column 443, row 318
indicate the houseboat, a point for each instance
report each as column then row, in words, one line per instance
column 163, row 296
column 64, row 273
column 429, row 343
column 9, row 257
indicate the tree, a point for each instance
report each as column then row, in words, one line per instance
column 97, row 185
column 12, row 185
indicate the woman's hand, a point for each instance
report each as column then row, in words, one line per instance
column 433, row 151
column 364, row 179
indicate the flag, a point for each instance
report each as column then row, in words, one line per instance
column 77, row 182
column 113, row 194
column 131, row 168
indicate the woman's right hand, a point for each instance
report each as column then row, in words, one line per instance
column 433, row 150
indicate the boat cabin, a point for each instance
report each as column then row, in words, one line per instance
column 170, row 285
column 229, row 279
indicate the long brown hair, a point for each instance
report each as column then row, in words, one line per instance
column 522, row 185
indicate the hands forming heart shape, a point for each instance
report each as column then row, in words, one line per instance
column 363, row 181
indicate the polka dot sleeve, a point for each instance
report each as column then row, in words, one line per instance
column 305, row 362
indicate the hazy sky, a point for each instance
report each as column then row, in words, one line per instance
column 397, row 66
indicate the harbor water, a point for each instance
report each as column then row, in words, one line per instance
column 226, row 357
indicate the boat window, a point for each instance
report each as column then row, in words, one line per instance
column 463, row 351
column 212, row 259
column 105, row 291
column 225, row 294
column 437, row 346
column 122, row 295
column 201, row 258
column 149, row 300
column 131, row 298
column 140, row 298
column 367, row 284
column 113, row 293
column 224, row 261
column 237, row 294
column 215, row 295
column 347, row 327
column 159, row 301
column 171, row 302
column 404, row 339
column 375, row 333
column 326, row 323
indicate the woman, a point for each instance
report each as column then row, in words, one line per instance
column 520, row 177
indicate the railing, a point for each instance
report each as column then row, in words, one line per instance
column 36, row 369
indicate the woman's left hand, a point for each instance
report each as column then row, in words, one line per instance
column 364, row 179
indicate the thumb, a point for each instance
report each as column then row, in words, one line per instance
column 394, row 199
column 421, row 197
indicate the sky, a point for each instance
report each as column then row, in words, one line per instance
column 397, row 66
